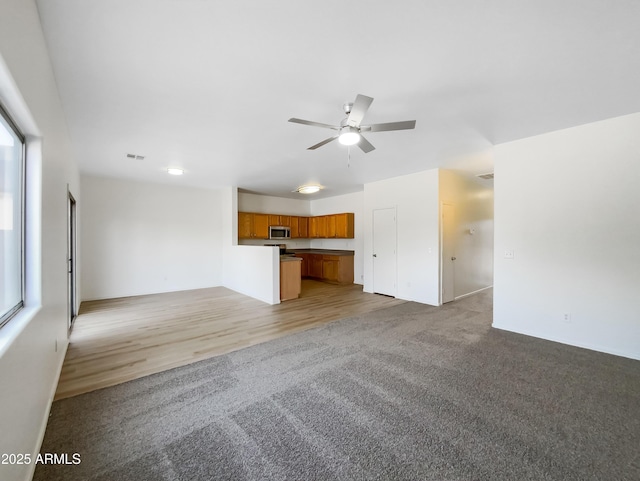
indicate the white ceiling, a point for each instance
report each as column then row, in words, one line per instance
column 209, row 85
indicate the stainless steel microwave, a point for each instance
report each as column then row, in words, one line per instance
column 279, row 232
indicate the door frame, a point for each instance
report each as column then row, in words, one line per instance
column 72, row 259
column 442, row 249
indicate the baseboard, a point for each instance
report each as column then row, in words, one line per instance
column 591, row 347
column 472, row 293
column 45, row 419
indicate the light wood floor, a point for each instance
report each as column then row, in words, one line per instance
column 118, row 340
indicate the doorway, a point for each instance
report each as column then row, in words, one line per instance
column 384, row 251
column 448, row 254
column 71, row 259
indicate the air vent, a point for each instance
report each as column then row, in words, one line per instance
column 134, row 156
column 488, row 176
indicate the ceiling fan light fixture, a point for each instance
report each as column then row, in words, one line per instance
column 308, row 189
column 349, row 136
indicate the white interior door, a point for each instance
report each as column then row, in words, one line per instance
column 384, row 251
column 448, row 254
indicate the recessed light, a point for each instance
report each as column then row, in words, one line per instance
column 307, row 189
column 174, row 171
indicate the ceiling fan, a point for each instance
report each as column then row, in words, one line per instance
column 350, row 130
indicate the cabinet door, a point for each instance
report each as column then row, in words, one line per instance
column 331, row 225
column 315, row 265
column 294, row 223
column 313, row 227
column 274, row 219
column 330, row 268
column 285, row 220
column 303, row 227
column 345, row 269
column 318, row 226
column 261, row 226
column 304, row 264
column 245, row 225
column 322, row 226
column 344, row 225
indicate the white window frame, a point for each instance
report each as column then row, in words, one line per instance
column 5, row 317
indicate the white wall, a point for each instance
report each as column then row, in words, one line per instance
column 250, row 270
column 29, row 362
column 142, row 238
column 273, row 205
column 473, row 201
column 415, row 198
column 336, row 205
column 568, row 205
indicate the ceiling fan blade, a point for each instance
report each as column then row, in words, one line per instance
column 359, row 109
column 405, row 125
column 365, row 145
column 314, row 124
column 320, row 144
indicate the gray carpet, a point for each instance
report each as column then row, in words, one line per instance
column 406, row 393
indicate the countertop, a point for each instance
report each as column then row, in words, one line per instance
column 328, row 252
column 289, row 259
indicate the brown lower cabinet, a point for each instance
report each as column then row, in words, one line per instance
column 315, row 266
column 329, row 268
column 304, row 265
column 290, row 279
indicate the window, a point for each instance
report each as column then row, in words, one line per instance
column 11, row 218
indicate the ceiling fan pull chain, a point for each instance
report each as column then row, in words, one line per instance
column 348, row 157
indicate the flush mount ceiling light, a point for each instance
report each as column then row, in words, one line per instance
column 174, row 171
column 307, row 189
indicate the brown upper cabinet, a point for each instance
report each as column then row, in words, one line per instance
column 331, row 225
column 295, row 227
column 253, row 226
column 344, row 225
column 256, row 226
column 280, row 220
column 303, row 227
column 299, row 227
column 318, row 227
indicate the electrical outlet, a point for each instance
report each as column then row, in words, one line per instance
column 566, row 317
column 508, row 254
